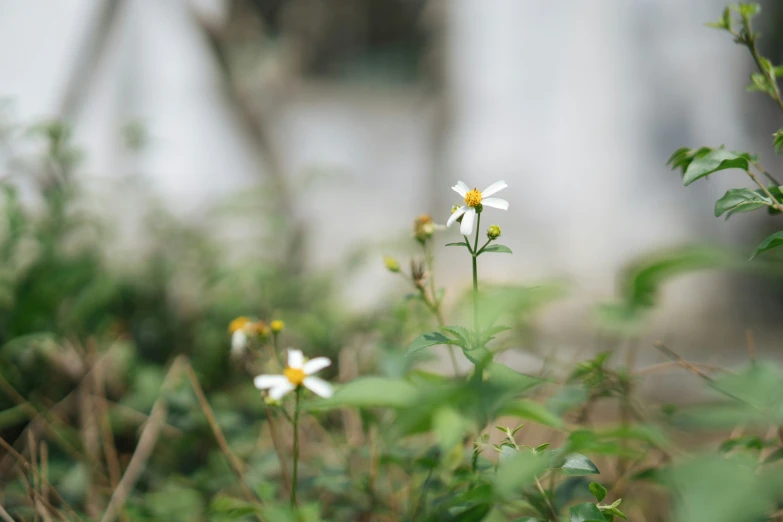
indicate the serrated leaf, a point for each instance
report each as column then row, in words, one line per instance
column 576, row 465
column 598, row 491
column 459, row 332
column 714, row 161
column 587, row 512
column 500, row 249
column 741, row 200
column 426, row 340
column 773, row 241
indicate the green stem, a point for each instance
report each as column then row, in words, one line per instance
column 296, row 448
column 475, row 277
column 276, row 348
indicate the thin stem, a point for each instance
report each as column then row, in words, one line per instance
column 296, row 448
column 475, row 277
column 766, row 191
column 767, row 174
column 546, row 498
column 276, row 348
column 435, row 302
column 278, row 449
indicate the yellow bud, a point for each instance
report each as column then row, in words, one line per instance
column 493, row 232
column 238, row 324
column 277, row 326
column 391, row 264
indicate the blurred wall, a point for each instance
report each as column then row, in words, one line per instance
column 577, row 105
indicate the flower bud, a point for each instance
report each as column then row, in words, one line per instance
column 423, row 228
column 493, row 232
column 455, row 208
column 277, row 326
column 391, row 264
column 261, row 329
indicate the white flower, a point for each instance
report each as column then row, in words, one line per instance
column 297, row 373
column 474, row 198
column 238, row 343
column 241, row 330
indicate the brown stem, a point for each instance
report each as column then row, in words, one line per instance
column 236, row 464
column 147, row 441
column 23, row 462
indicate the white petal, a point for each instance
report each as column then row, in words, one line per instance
column 460, row 188
column 318, row 386
column 295, row 358
column 238, row 343
column 495, row 187
column 263, row 382
column 278, row 391
column 315, row 365
column 502, row 204
column 466, row 228
column 457, row 213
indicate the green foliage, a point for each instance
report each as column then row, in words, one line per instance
column 741, row 200
column 598, row 491
column 772, row 241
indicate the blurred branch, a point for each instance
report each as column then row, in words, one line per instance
column 91, row 50
column 24, row 463
column 256, row 128
column 236, row 464
column 147, row 441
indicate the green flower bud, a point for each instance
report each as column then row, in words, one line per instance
column 493, row 232
column 391, row 264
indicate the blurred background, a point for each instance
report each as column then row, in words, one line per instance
column 313, row 133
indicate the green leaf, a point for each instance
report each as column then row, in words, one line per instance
column 448, row 427
column 370, row 392
column 741, row 200
column 461, row 243
column 519, row 471
column 598, row 491
column 460, row 333
column 747, row 10
column 504, row 377
column 777, row 140
column 612, row 510
column 586, row 512
column 759, row 83
column 576, row 465
column 773, row 241
column 724, row 22
column 426, row 340
column 501, row 249
column 718, row 159
column 683, row 157
column 474, row 513
column 530, row 410
column 479, row 356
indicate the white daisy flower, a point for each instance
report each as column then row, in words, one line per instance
column 297, row 373
column 241, row 330
column 474, row 198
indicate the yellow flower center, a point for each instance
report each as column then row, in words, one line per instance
column 295, row 376
column 238, row 324
column 473, row 198
column 277, row 325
